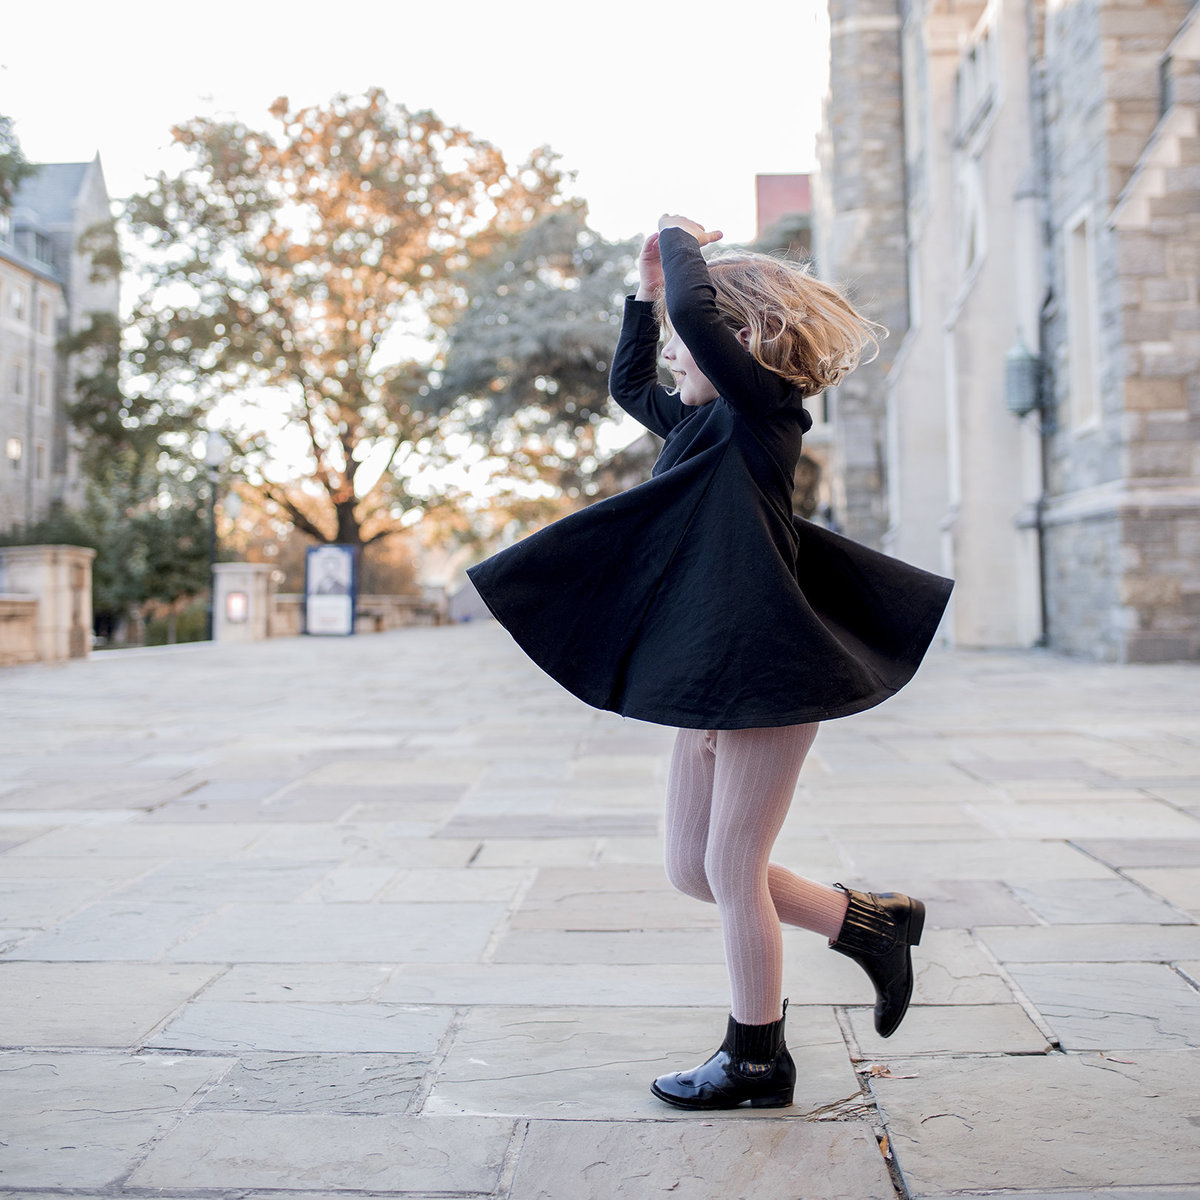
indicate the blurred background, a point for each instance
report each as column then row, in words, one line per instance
column 270, row 282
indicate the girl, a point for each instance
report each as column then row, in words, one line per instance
column 697, row 600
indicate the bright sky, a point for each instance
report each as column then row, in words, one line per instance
column 657, row 107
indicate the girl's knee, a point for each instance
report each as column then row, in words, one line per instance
column 731, row 878
column 689, row 878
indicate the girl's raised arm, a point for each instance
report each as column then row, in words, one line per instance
column 633, row 380
column 692, row 310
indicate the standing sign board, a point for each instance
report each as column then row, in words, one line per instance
column 330, row 590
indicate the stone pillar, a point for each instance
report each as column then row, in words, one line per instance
column 242, row 604
column 864, row 241
column 60, row 577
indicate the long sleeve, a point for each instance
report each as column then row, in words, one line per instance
column 633, row 380
column 692, row 309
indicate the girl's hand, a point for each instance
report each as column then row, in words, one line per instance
column 702, row 235
column 650, row 272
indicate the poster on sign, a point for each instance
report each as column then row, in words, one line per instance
column 330, row 590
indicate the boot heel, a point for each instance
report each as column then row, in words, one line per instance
column 774, row 1100
column 916, row 923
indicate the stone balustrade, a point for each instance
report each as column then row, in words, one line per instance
column 372, row 614
column 45, row 603
column 18, row 629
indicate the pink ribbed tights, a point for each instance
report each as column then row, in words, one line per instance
column 728, row 793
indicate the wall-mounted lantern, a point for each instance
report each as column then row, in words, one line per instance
column 1022, row 379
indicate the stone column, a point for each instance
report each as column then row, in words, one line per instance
column 864, row 242
column 245, row 595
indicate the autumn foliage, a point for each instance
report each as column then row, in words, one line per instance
column 315, row 261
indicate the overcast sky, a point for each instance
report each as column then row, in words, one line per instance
column 656, row 106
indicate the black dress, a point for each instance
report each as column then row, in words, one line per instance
column 697, row 599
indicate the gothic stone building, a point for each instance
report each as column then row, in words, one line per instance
column 46, row 292
column 1013, row 187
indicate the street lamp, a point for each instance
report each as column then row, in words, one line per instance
column 215, row 449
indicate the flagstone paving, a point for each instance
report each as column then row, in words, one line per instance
column 385, row 916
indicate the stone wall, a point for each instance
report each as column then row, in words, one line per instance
column 1124, row 497
column 1059, row 197
column 1083, row 599
column 1081, row 454
column 1160, row 591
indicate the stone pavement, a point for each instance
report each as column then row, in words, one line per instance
column 385, row 916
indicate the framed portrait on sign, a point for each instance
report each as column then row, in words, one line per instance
column 330, row 590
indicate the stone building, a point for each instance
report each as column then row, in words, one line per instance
column 46, row 293
column 1013, row 187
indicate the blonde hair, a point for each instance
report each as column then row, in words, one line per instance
column 802, row 329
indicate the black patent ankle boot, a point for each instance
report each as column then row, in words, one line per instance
column 752, row 1064
column 879, row 933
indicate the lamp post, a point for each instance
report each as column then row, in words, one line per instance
column 214, row 455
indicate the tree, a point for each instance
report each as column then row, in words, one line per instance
column 148, row 527
column 315, row 262
column 261, row 534
column 526, row 364
column 14, row 166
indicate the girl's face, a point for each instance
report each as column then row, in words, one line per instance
column 694, row 387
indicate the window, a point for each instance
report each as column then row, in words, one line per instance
column 1080, row 294
column 17, row 303
column 975, row 83
column 972, row 233
column 44, row 316
column 18, row 379
column 14, row 449
column 43, row 389
column 39, row 458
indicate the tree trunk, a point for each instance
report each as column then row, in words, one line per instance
column 348, row 532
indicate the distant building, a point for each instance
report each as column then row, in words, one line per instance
column 46, row 293
column 783, row 209
column 1013, row 187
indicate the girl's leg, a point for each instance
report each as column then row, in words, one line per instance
column 689, row 802
column 727, row 796
column 754, row 780
column 803, row 902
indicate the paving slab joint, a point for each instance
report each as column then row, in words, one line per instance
column 895, row 1174
column 118, row 1186
column 512, row 1159
column 1191, row 981
column 1027, row 1005
column 841, row 1014
column 437, row 1060
column 504, row 926
column 1153, row 895
column 151, row 1034
column 1121, row 874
